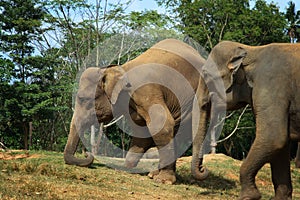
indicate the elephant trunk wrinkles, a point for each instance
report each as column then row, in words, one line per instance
column 199, row 131
column 198, row 171
column 70, row 149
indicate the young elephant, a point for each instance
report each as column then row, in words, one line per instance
column 268, row 78
column 154, row 91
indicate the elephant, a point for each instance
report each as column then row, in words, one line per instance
column 152, row 92
column 297, row 159
column 266, row 77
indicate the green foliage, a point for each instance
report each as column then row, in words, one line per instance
column 147, row 19
column 238, row 145
column 209, row 22
column 293, row 18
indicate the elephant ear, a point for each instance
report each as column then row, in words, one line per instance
column 122, row 85
column 235, row 63
column 114, row 82
column 237, row 59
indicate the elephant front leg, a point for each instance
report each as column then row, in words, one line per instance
column 270, row 146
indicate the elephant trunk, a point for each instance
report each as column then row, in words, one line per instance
column 199, row 124
column 198, row 171
column 70, row 149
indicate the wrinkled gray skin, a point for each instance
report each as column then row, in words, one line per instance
column 268, row 78
column 102, row 93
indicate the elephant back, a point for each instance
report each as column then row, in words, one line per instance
column 181, row 49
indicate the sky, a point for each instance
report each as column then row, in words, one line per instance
column 140, row 5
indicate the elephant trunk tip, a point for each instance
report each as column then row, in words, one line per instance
column 70, row 159
column 200, row 173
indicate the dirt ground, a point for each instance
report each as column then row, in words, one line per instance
column 16, row 154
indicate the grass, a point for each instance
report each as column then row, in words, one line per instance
column 43, row 175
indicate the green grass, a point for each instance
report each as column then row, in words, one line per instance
column 45, row 176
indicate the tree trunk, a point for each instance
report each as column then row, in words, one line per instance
column 30, row 133
column 25, row 137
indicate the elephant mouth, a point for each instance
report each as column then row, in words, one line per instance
column 218, row 101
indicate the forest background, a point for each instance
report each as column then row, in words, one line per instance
column 44, row 45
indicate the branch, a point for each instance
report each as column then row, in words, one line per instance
column 223, row 27
column 69, row 27
column 207, row 35
column 3, row 146
column 236, row 126
column 223, row 119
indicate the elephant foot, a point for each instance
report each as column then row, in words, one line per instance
column 153, row 174
column 250, row 194
column 283, row 192
column 167, row 177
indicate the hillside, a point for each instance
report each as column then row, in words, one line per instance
column 43, row 175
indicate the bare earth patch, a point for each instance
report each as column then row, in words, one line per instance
column 17, row 154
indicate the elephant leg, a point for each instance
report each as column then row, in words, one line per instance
column 161, row 126
column 137, row 149
column 271, row 138
column 249, row 168
column 281, row 175
column 167, row 156
column 297, row 159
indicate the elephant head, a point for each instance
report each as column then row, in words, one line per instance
column 93, row 103
column 222, row 86
column 225, row 76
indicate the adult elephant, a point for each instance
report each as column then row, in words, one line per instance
column 154, row 91
column 268, row 78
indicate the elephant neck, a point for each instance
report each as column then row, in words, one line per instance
column 253, row 53
column 250, row 63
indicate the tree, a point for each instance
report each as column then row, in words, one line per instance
column 293, row 18
column 209, row 22
column 267, row 24
column 21, row 23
